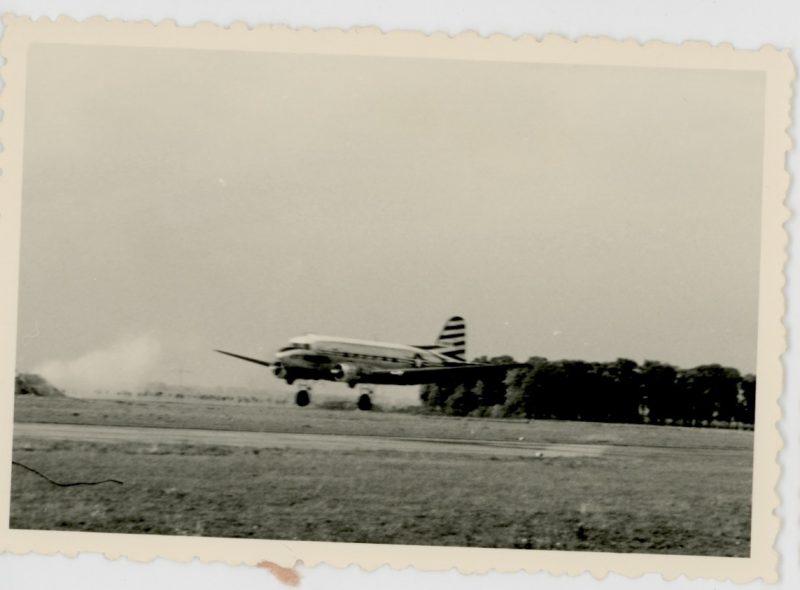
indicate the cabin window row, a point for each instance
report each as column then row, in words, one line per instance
column 356, row 355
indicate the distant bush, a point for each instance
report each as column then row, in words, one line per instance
column 32, row 384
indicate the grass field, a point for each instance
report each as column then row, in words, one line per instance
column 692, row 499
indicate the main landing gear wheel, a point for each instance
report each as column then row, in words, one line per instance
column 364, row 402
column 302, row 398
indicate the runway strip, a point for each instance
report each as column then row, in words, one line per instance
column 321, row 442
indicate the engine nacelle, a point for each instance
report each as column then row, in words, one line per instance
column 279, row 370
column 345, row 372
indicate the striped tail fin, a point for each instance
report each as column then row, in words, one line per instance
column 452, row 341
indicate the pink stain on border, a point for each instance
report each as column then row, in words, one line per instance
column 285, row 575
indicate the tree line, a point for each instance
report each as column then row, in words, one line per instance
column 618, row 391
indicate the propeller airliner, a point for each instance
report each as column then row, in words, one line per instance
column 363, row 362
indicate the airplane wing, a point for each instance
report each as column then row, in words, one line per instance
column 422, row 375
column 245, row 358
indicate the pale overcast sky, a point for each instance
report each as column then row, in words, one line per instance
column 208, row 200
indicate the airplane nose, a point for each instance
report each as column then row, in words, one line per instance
column 284, row 354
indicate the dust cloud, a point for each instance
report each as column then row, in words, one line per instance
column 125, row 365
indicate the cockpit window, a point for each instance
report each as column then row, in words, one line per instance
column 296, row 346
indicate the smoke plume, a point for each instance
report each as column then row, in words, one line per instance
column 126, row 365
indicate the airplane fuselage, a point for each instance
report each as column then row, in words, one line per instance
column 333, row 358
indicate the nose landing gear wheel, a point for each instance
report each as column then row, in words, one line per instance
column 302, row 398
column 364, row 402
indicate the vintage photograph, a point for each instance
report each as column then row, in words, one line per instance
column 410, row 300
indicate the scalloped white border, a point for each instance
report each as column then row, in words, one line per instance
column 22, row 32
